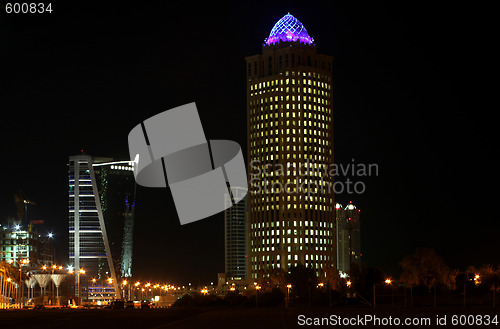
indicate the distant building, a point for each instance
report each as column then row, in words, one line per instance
column 101, row 213
column 235, row 242
column 17, row 244
column 348, row 237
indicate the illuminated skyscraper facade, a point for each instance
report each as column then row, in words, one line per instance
column 290, row 144
column 348, row 237
column 101, row 203
column 235, row 242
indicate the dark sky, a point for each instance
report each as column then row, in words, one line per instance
column 410, row 83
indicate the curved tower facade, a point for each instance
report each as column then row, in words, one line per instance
column 290, row 153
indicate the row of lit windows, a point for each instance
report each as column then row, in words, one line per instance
column 288, row 123
column 314, row 116
column 295, row 224
column 288, row 148
column 319, row 233
column 293, row 206
column 327, row 246
column 299, row 156
column 312, row 106
column 312, row 257
column 285, row 82
column 288, row 90
column 292, row 131
column 276, row 187
column 306, row 100
column 292, row 185
column 312, row 198
column 289, row 139
column 277, row 265
column 270, row 242
column 317, row 80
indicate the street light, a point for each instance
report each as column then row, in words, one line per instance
column 288, row 287
column 257, row 287
column 125, row 283
column 81, row 271
column 387, row 282
column 21, row 295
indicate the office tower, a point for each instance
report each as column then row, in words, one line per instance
column 235, row 242
column 101, row 207
column 117, row 186
column 290, row 148
column 348, row 237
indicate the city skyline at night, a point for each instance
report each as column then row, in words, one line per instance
column 401, row 80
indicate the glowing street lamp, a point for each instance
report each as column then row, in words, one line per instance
column 348, row 283
column 80, row 272
column 288, row 287
column 136, row 285
column 22, row 263
column 124, row 284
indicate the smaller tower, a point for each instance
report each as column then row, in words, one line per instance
column 348, row 237
column 235, row 246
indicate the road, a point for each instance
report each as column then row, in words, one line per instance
column 296, row 317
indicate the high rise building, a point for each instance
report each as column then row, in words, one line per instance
column 290, row 148
column 348, row 236
column 235, row 242
column 101, row 212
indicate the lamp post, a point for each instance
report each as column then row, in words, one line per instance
column 288, row 287
column 110, row 282
column 387, row 281
column 124, row 284
column 136, row 285
column 81, row 271
column 257, row 288
column 21, row 294
column 94, row 280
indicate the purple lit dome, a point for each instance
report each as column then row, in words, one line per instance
column 288, row 28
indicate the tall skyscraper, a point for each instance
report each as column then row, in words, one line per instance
column 101, row 208
column 348, row 237
column 235, row 242
column 290, row 148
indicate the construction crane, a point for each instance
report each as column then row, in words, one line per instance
column 22, row 202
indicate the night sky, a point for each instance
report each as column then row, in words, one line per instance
column 410, row 90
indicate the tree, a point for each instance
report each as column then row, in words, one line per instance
column 425, row 267
column 332, row 277
column 303, row 279
column 272, row 278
